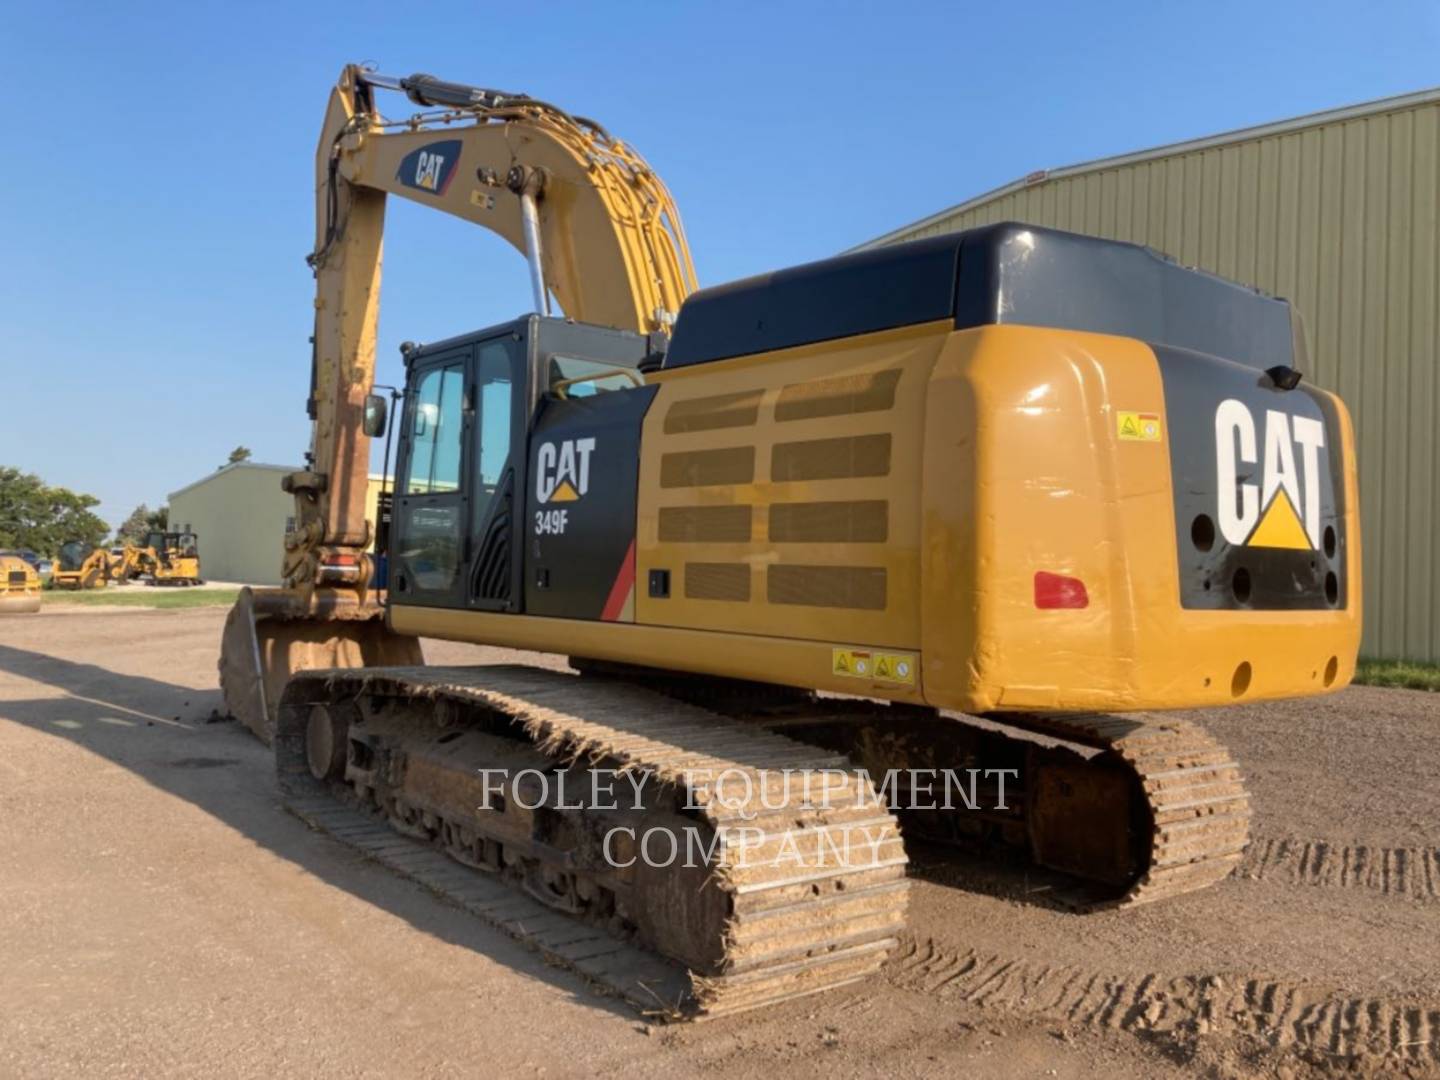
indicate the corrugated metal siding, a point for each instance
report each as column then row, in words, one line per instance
column 1339, row 217
column 240, row 514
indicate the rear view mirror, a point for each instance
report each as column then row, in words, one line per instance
column 376, row 413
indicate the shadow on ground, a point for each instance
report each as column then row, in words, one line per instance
column 162, row 733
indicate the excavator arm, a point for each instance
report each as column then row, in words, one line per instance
column 598, row 228
column 600, row 234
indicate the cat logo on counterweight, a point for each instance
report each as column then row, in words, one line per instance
column 1283, row 510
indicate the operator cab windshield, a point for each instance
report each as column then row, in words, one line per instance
column 74, row 553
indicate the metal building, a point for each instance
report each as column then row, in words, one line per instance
column 240, row 515
column 1336, row 212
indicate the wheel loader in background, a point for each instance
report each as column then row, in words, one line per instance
column 989, row 502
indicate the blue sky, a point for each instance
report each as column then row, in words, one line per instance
column 156, row 194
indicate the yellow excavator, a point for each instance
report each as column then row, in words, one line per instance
column 131, row 563
column 171, row 558
column 984, row 508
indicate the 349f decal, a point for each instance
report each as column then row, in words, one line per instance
column 562, row 475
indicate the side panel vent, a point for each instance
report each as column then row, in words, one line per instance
column 863, row 522
column 717, row 581
column 713, row 413
column 861, row 587
column 872, row 391
column 831, row 459
column 706, row 468
column 704, row 524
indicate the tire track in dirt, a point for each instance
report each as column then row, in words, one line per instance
column 1286, row 1016
column 1412, row 872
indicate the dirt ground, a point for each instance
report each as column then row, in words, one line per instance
column 159, row 914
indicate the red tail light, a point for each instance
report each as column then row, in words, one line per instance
column 1059, row 591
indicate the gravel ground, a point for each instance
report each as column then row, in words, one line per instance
column 159, row 914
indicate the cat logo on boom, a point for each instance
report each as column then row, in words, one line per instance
column 430, row 168
column 1283, row 510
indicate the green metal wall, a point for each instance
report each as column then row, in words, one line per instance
column 1338, row 215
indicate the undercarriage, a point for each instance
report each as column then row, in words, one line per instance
column 723, row 846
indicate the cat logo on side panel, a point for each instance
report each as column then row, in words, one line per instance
column 562, row 470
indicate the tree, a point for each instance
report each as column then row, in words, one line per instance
column 239, row 454
column 136, row 526
column 159, row 520
column 41, row 518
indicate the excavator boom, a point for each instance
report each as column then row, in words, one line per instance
column 601, row 235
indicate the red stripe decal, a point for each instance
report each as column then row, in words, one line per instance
column 620, row 591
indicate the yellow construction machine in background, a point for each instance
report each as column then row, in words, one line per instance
column 172, row 558
column 81, row 566
column 19, row 585
column 168, row 558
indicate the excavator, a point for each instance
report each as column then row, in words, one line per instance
column 171, row 558
column 987, row 507
column 131, row 563
column 167, row 559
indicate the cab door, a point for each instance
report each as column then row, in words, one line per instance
column 451, row 543
column 431, row 514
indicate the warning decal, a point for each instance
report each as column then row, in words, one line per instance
column 1138, row 426
column 875, row 666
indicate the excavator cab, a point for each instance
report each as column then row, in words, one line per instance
column 473, row 407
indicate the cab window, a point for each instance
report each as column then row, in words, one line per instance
column 599, row 378
column 436, row 429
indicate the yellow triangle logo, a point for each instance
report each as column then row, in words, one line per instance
column 1280, row 526
column 1129, row 427
column 842, row 664
column 564, row 493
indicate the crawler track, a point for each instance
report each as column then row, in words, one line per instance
column 1196, row 809
column 806, row 890
column 1134, row 807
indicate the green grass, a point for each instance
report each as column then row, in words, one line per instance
column 1405, row 674
column 142, row 596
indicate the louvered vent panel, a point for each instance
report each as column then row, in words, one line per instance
column 831, row 459
column 863, row 522
column 707, row 468
column 704, row 524
column 861, row 587
column 871, row 391
column 713, row 413
column 717, row 581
